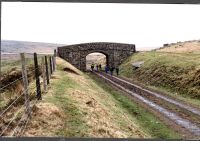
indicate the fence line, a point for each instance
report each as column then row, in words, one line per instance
column 15, row 118
column 16, row 98
column 19, row 78
column 28, row 110
column 31, row 71
column 28, row 118
column 9, row 123
column 11, row 104
column 10, row 83
column 14, row 130
column 23, row 129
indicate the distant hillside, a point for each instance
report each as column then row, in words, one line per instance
column 182, row 47
column 10, row 46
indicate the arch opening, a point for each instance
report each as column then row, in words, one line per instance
column 96, row 58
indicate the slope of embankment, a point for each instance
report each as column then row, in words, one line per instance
column 177, row 74
column 75, row 106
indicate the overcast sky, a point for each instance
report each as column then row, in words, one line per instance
column 146, row 25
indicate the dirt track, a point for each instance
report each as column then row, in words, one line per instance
column 181, row 117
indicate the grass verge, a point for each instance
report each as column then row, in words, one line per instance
column 74, row 124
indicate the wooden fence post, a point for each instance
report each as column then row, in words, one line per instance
column 53, row 66
column 25, row 82
column 50, row 65
column 44, row 74
column 37, row 78
column 54, row 59
column 47, row 72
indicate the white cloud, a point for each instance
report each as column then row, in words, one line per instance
column 146, row 25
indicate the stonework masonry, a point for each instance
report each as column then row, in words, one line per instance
column 115, row 53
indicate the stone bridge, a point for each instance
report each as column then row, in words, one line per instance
column 115, row 53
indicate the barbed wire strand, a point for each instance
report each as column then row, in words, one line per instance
column 24, row 113
column 10, row 83
column 32, row 70
column 13, row 102
column 10, row 122
column 23, row 127
column 14, row 130
column 16, row 99
column 16, row 114
column 28, row 118
column 22, row 131
column 14, row 119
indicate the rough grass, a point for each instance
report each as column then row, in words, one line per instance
column 58, row 111
column 146, row 120
column 88, row 110
column 74, row 125
column 13, row 63
column 179, row 73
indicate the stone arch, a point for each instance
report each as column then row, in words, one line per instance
column 114, row 52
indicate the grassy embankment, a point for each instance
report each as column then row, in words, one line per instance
column 177, row 74
column 78, row 106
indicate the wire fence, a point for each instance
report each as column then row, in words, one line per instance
column 16, row 125
column 10, row 83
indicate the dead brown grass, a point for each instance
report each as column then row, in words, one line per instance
column 46, row 119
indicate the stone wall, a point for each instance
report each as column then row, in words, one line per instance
column 115, row 53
